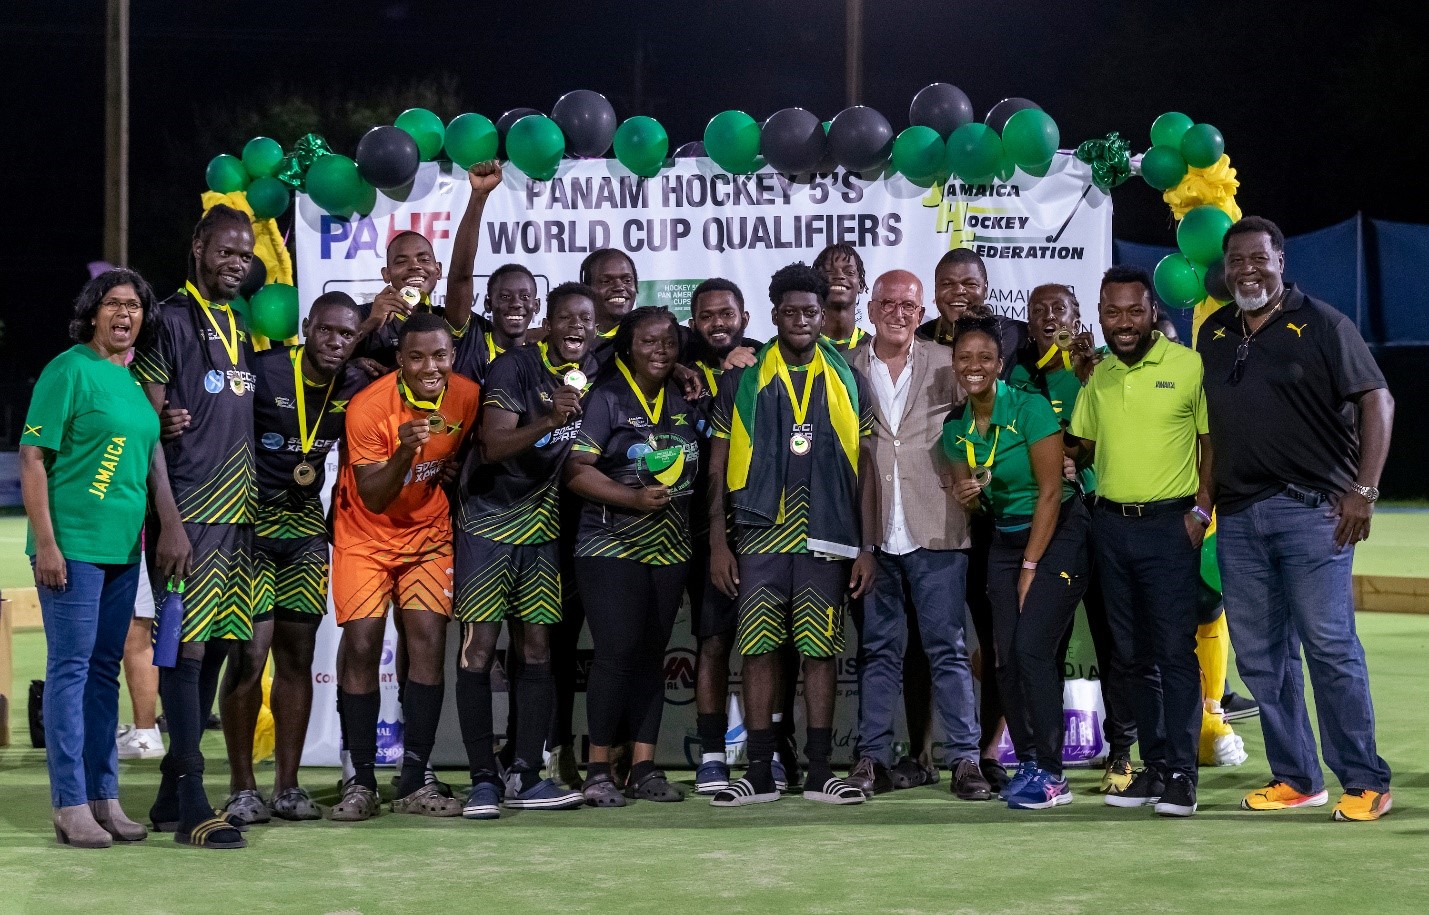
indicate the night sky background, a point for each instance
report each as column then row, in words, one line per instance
column 1321, row 104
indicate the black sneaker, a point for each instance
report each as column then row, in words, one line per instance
column 1179, row 798
column 995, row 774
column 1235, row 707
column 1145, row 788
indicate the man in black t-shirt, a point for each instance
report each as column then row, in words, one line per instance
column 197, row 374
column 300, row 411
column 842, row 267
column 511, row 303
column 508, row 562
column 1300, row 421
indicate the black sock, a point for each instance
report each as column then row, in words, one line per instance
column 535, row 701
column 179, row 690
column 359, row 734
column 421, row 712
column 473, row 712
column 593, row 769
column 712, row 729
column 640, row 770
column 761, row 758
column 818, row 747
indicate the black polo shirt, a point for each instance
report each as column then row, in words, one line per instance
column 1291, row 417
column 1012, row 331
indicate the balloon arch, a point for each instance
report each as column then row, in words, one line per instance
column 1186, row 162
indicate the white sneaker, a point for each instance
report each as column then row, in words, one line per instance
column 139, row 743
column 1230, row 750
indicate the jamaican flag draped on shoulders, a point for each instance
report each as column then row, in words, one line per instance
column 761, row 425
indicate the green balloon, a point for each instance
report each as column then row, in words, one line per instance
column 535, row 144
column 240, row 308
column 1030, row 138
column 974, row 152
column 471, row 138
column 226, row 174
column 364, row 201
column 1178, row 282
column 1202, row 146
column 274, row 311
column 261, row 156
column 1200, row 233
column 1163, row 167
column 1210, row 569
column 334, row 184
column 641, row 144
column 918, row 154
column 732, row 141
column 426, row 128
column 268, row 197
column 1168, row 129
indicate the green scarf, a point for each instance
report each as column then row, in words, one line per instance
column 763, row 416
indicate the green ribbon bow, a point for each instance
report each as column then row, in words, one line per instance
column 1110, row 160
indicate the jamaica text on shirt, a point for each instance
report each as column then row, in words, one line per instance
column 107, row 467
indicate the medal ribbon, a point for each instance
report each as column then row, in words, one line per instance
column 991, row 455
column 429, row 406
column 654, row 416
column 1066, row 360
column 800, row 407
column 710, row 378
column 858, row 334
column 306, row 439
column 230, row 343
column 558, row 370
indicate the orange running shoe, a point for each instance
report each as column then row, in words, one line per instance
column 1280, row 796
column 1361, row 804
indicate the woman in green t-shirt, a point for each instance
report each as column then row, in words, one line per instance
column 87, row 467
column 1006, row 448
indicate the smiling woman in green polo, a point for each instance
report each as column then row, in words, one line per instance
column 1006, row 449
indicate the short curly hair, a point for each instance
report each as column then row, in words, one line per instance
column 86, row 305
column 797, row 277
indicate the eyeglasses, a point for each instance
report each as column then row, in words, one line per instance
column 1242, row 352
column 888, row 307
column 116, row 305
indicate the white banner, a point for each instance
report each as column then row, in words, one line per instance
column 691, row 222
column 694, row 221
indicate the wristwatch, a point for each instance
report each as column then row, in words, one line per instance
column 1370, row 493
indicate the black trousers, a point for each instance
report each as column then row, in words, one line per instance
column 1150, row 572
column 1028, row 639
column 980, row 609
column 630, row 607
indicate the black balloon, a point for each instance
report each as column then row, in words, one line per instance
column 503, row 124
column 254, row 279
column 998, row 116
column 691, row 150
column 387, row 157
column 860, row 138
column 942, row 107
column 1216, row 286
column 588, row 121
column 792, row 140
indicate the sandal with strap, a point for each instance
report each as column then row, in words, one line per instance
column 654, row 787
column 295, row 804
column 601, row 791
column 214, row 832
column 427, row 801
column 358, row 803
column 236, row 822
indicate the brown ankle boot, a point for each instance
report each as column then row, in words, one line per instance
column 112, row 819
column 76, row 826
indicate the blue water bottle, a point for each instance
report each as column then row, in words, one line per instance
column 169, row 628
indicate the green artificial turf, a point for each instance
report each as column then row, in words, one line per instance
column 913, row 851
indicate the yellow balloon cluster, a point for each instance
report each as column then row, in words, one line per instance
column 1214, row 185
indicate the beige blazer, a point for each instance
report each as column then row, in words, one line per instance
column 935, row 520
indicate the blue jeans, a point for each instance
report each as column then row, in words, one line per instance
column 85, row 628
column 937, row 582
column 1287, row 584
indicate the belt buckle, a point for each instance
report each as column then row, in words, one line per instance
column 1126, row 510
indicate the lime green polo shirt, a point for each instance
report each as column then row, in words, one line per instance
column 1063, row 387
column 1018, row 420
column 1144, row 419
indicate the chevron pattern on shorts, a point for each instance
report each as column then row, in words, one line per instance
column 219, row 598
column 818, row 624
column 280, row 522
column 762, row 621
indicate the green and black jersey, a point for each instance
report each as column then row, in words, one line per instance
column 201, row 355
column 476, row 349
column 287, row 509
column 637, row 449
column 792, row 535
column 518, row 500
column 711, row 373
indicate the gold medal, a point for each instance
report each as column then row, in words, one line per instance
column 576, row 379
column 304, row 473
column 437, row 423
column 799, row 444
column 411, row 295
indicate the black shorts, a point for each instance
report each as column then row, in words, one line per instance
column 798, row 596
column 499, row 581
column 712, row 612
column 218, row 594
column 291, row 578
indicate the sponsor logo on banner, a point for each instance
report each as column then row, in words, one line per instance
column 389, row 742
column 679, row 676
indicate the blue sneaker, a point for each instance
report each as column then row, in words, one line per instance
column 711, row 777
column 483, row 802
column 1024, row 771
column 544, row 795
column 1039, row 792
column 781, row 781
